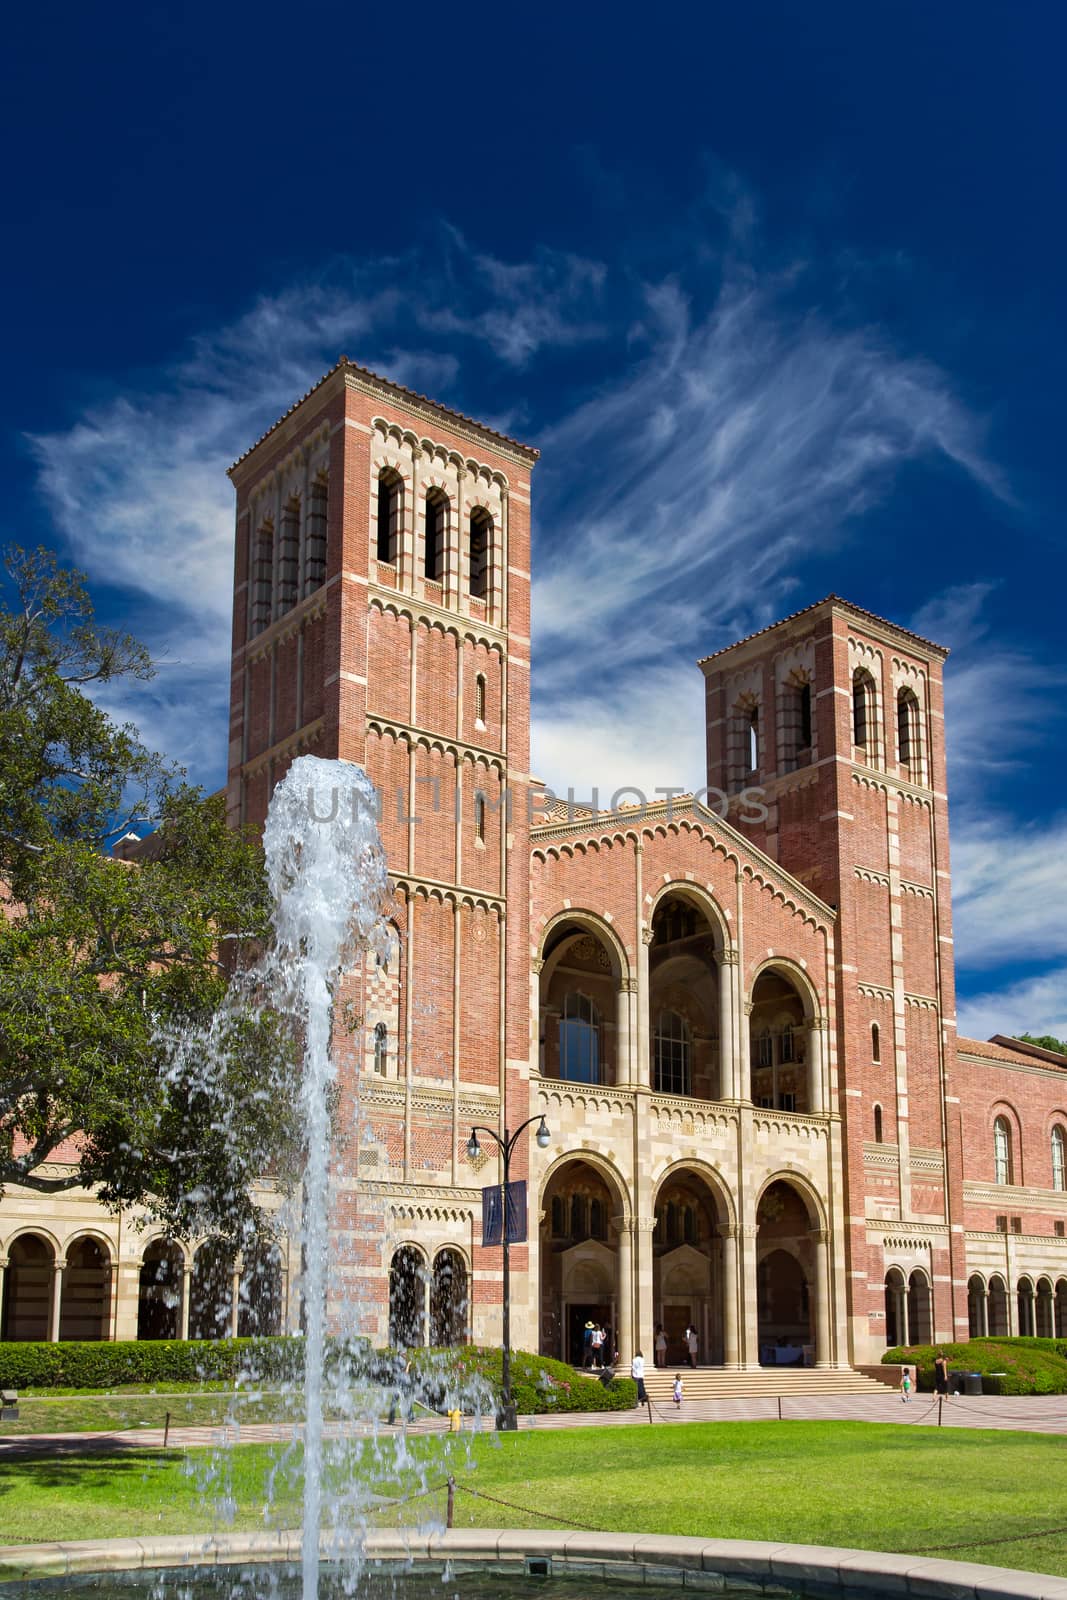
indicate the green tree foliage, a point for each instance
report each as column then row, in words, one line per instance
column 1045, row 1041
column 112, row 974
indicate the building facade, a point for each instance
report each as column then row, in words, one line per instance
column 734, row 1010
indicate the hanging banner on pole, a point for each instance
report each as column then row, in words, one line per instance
column 492, row 1230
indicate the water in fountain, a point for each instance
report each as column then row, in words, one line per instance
column 327, row 874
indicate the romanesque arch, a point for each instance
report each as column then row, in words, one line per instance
column 585, row 1214
column 684, row 957
column 997, row 1303
column 689, row 1282
column 792, row 1288
column 211, row 1291
column 920, row 1308
column 85, row 1306
column 260, row 1303
column 27, row 1312
column 449, row 1298
column 1045, row 1310
column 407, row 1298
column 583, row 1028
column 977, row 1324
column 784, row 1057
column 160, row 1289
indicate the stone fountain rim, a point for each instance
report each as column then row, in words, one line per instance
column 756, row 1565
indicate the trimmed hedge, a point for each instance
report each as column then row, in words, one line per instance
column 1024, row 1366
column 469, row 1377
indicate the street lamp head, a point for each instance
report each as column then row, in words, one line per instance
column 474, row 1149
column 543, row 1137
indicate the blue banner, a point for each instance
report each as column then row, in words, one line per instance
column 492, row 1232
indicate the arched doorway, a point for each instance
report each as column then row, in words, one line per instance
column 1045, row 1312
column 1061, row 1308
column 448, row 1299
column 159, row 1295
column 976, row 1308
column 584, row 1016
column 407, row 1298
column 1025, row 1299
column 683, row 979
column 779, row 1037
column 86, row 1303
column 920, row 1309
column 787, row 1267
column 896, row 1309
column 579, row 1260
column 28, row 1288
column 997, row 1302
column 687, row 1268
column 211, row 1291
column 259, row 1306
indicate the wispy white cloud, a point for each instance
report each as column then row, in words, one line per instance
column 1036, row 1005
column 1008, row 892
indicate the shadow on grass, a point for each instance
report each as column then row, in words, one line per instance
column 60, row 1467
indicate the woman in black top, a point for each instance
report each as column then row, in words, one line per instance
column 941, row 1373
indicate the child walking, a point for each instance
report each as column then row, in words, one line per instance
column 905, row 1386
column 678, row 1390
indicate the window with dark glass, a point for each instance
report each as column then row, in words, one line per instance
column 579, row 1040
column 671, row 1055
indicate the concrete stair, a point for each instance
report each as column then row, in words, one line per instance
column 716, row 1383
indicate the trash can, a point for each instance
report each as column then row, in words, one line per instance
column 955, row 1382
column 972, row 1383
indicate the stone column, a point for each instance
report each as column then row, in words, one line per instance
column 235, row 1296
column 57, row 1299
column 819, row 1238
column 642, row 1072
column 983, row 1313
column 427, row 1291
column 3, row 1274
column 729, row 1073
column 744, row 1051
column 625, row 1330
column 747, row 1239
column 730, row 1294
column 645, row 1318
column 816, row 1091
column 624, row 1070
column 187, row 1294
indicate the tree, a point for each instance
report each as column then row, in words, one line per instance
column 1045, row 1041
column 136, row 1057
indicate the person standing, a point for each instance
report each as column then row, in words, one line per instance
column 587, row 1345
column 637, row 1373
column 905, row 1385
column 941, row 1374
column 597, row 1342
column 660, row 1355
column 692, row 1345
column 676, row 1393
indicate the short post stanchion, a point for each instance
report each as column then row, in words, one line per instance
column 450, row 1514
column 166, row 1429
column 648, row 1403
column 940, row 1408
column 779, row 1408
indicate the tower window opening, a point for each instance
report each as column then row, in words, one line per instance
column 909, row 753
column 315, row 546
column 289, row 557
column 878, row 1125
column 479, row 699
column 1059, row 1179
column 381, row 1048
column 481, row 533
column 876, row 1042
column 1002, row 1161
column 436, row 532
column 390, row 505
column 805, row 716
column 863, row 731
column 263, row 577
column 479, row 818
column 753, row 739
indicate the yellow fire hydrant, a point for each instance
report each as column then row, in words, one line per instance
column 455, row 1421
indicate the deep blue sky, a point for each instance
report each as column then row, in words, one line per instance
column 779, row 290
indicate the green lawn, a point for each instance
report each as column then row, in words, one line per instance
column 86, row 1413
column 952, row 1492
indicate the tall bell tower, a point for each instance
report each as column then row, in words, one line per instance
column 382, row 616
column 827, row 730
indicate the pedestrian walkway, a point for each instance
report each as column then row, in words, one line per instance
column 1020, row 1414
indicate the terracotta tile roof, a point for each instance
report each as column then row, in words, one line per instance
column 831, row 599
column 398, row 388
column 1000, row 1048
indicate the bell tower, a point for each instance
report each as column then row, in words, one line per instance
column 827, row 733
column 382, row 616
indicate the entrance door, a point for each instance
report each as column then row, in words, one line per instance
column 577, row 1317
column 675, row 1321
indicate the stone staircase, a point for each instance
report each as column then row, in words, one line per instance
column 716, row 1383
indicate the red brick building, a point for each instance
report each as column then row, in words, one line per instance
column 735, row 1010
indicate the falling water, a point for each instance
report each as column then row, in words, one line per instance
column 327, row 874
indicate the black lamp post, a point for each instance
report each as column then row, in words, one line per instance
column 507, row 1420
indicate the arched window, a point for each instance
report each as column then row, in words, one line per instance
column 878, row 1125
column 876, row 1042
column 579, row 1040
column 479, row 699
column 315, row 535
column 787, row 1045
column 559, row 1225
column 765, row 1049
column 263, row 577
column 1002, row 1161
column 479, row 818
column 481, row 541
column 908, row 752
column 316, row 531
column 578, row 1212
column 1058, row 1158
column 671, row 1055
column 863, row 729
column 289, row 556
column 794, row 705
column 436, row 533
column 390, row 506
column 596, row 1219
column 753, row 739
column 381, row 1048
column 1025, row 1302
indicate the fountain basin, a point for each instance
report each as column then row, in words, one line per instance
column 513, row 1562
